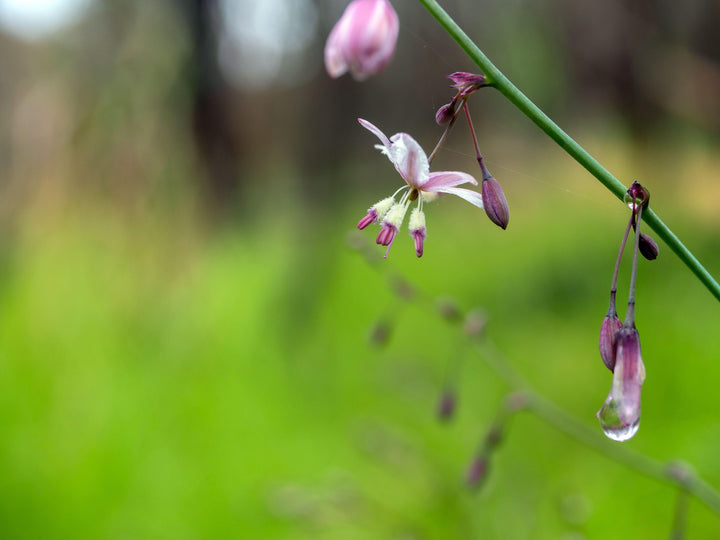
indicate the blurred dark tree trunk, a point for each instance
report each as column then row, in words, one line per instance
column 212, row 120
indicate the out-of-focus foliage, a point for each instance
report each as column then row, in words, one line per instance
column 183, row 329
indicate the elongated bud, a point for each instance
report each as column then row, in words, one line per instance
column 620, row 414
column 648, row 248
column 611, row 325
column 363, row 40
column 444, row 114
column 477, row 471
column 380, row 332
column 446, row 405
column 496, row 205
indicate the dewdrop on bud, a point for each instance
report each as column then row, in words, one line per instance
column 444, row 114
column 611, row 325
column 648, row 247
column 620, row 414
column 496, row 205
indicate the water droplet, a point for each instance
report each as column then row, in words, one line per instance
column 611, row 424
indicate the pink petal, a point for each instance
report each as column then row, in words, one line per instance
column 447, row 179
column 473, row 197
column 379, row 134
column 409, row 159
column 335, row 63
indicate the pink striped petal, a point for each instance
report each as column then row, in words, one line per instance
column 379, row 134
column 473, row 197
column 447, row 179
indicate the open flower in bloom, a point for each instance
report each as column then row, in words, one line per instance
column 421, row 185
column 363, row 40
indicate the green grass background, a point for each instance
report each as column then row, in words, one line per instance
column 162, row 380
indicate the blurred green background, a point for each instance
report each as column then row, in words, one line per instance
column 184, row 329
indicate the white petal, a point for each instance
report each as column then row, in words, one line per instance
column 409, row 159
column 473, row 197
column 447, row 179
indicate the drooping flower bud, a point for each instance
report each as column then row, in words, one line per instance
column 380, row 332
column 444, row 114
column 620, row 414
column 638, row 194
column 363, row 40
column 648, row 248
column 446, row 405
column 477, row 472
column 496, row 205
column 611, row 325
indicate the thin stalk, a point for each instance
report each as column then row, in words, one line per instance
column 485, row 173
column 612, row 309
column 630, row 314
column 496, row 79
column 446, row 132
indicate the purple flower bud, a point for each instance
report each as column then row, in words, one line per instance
column 648, row 247
column 444, row 114
column 446, row 405
column 611, row 325
column 620, row 414
column 496, row 206
column 477, row 472
column 637, row 193
column 380, row 332
column 363, row 40
column 467, row 83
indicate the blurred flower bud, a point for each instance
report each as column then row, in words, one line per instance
column 444, row 114
column 477, row 472
column 648, row 247
column 403, row 289
column 611, row 325
column 493, row 437
column 446, row 405
column 363, row 40
column 620, row 414
column 448, row 309
column 380, row 332
column 496, row 206
column 475, row 322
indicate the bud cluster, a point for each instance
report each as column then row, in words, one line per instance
column 619, row 341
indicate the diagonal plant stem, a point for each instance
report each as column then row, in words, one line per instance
column 497, row 80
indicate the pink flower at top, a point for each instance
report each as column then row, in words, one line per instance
column 363, row 40
column 410, row 161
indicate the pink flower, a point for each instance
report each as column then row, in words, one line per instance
column 363, row 40
column 410, row 161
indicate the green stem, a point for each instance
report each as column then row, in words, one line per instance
column 496, row 79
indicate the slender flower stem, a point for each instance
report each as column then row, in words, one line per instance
column 446, row 132
column 683, row 478
column 630, row 315
column 496, row 79
column 485, row 173
column 612, row 310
